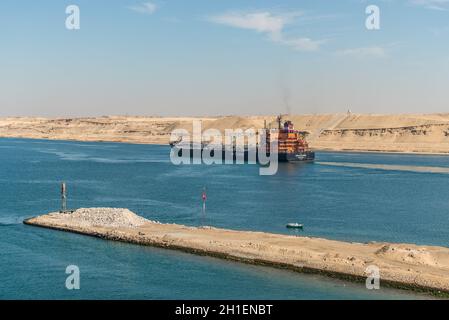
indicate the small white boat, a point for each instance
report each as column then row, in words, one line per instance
column 295, row 226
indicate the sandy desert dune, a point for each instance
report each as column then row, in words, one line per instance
column 422, row 133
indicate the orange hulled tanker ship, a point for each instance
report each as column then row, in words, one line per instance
column 292, row 145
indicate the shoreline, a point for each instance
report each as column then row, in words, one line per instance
column 402, row 266
column 341, row 132
column 323, row 150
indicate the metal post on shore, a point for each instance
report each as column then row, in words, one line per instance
column 63, row 198
column 203, row 213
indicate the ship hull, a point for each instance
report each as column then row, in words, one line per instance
column 246, row 156
column 296, row 156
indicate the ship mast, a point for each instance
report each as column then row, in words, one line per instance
column 279, row 120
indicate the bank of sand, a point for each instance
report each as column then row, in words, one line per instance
column 414, row 133
column 401, row 265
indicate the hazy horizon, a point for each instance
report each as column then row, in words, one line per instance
column 221, row 115
column 204, row 58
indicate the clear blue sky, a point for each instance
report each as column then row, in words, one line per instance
column 204, row 57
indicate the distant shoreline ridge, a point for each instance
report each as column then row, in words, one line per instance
column 347, row 132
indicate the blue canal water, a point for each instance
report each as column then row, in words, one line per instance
column 345, row 196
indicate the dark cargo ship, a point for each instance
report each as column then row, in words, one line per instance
column 292, row 146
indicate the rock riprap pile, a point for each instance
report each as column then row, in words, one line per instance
column 105, row 217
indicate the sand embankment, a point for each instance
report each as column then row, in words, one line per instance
column 422, row 133
column 401, row 265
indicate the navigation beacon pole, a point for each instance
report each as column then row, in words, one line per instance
column 63, row 198
column 203, row 213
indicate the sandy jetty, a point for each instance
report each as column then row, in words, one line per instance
column 409, row 266
column 420, row 133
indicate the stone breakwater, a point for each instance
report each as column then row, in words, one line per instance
column 408, row 266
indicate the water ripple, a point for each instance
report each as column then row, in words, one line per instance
column 388, row 167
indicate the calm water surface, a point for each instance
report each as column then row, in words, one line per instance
column 345, row 196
